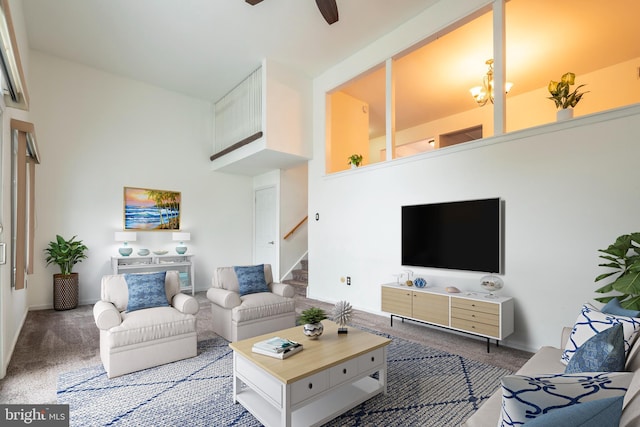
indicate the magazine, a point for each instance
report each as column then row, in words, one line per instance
column 276, row 345
column 278, row 355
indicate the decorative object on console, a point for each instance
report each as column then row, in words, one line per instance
column 452, row 290
column 623, row 256
column 342, row 315
column 420, row 282
column 126, row 237
column 311, row 319
column 65, row 254
column 181, row 237
column 491, row 283
column 161, row 252
column 143, row 252
column 409, row 281
column 149, row 210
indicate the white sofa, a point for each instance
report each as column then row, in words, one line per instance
column 144, row 338
column 547, row 361
column 238, row 317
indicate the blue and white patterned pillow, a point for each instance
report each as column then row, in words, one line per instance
column 146, row 290
column 603, row 352
column 251, row 279
column 591, row 321
column 596, row 413
column 525, row 398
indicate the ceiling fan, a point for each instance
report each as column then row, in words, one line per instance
column 328, row 9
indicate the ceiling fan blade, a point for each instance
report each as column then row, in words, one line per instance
column 328, row 9
column 253, row 2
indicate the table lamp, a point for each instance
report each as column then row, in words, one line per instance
column 181, row 237
column 126, row 237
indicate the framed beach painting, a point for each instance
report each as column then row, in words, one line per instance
column 151, row 210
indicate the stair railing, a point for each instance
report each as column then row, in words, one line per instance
column 298, row 225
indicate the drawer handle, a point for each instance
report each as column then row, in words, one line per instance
column 373, row 358
column 473, row 305
column 310, row 386
column 473, row 315
column 344, row 371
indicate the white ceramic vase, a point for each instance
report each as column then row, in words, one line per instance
column 564, row 114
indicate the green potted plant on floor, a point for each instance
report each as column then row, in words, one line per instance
column 623, row 257
column 65, row 254
column 311, row 319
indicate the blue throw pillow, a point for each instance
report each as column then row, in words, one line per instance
column 146, row 290
column 603, row 352
column 251, row 279
column 596, row 413
column 614, row 307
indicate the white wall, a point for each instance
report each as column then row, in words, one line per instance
column 99, row 133
column 569, row 188
column 13, row 303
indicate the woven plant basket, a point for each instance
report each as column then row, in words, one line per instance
column 65, row 291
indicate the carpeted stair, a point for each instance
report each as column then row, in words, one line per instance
column 300, row 278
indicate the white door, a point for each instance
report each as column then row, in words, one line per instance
column 265, row 239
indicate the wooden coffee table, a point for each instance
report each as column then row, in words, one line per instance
column 330, row 376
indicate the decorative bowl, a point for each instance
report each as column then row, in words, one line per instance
column 420, row 282
column 143, row 252
column 160, row 252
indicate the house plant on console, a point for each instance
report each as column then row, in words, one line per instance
column 65, row 254
column 564, row 99
column 311, row 319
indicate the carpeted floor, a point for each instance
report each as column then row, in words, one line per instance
column 52, row 342
column 425, row 387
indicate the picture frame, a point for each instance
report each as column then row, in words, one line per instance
column 146, row 209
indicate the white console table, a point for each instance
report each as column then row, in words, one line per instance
column 471, row 312
column 151, row 263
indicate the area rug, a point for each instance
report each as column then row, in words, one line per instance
column 426, row 387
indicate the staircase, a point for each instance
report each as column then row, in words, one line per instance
column 300, row 279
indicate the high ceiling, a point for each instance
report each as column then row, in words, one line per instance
column 203, row 48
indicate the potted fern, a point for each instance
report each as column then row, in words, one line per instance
column 564, row 99
column 311, row 319
column 65, row 254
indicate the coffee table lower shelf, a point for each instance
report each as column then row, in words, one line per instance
column 318, row 410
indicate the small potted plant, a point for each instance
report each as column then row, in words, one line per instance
column 311, row 319
column 355, row 160
column 561, row 95
column 65, row 254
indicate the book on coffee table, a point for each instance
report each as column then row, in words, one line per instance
column 278, row 355
column 276, row 345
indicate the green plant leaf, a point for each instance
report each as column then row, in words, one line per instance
column 605, row 275
column 628, row 283
column 606, row 288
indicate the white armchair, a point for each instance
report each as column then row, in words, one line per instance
column 237, row 317
column 140, row 339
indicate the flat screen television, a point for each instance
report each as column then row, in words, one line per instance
column 464, row 235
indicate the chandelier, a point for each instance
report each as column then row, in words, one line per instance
column 484, row 93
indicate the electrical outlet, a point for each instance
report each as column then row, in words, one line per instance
column 348, row 280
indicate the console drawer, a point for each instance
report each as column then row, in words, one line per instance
column 474, row 305
column 476, row 327
column 475, row 316
column 310, row 386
